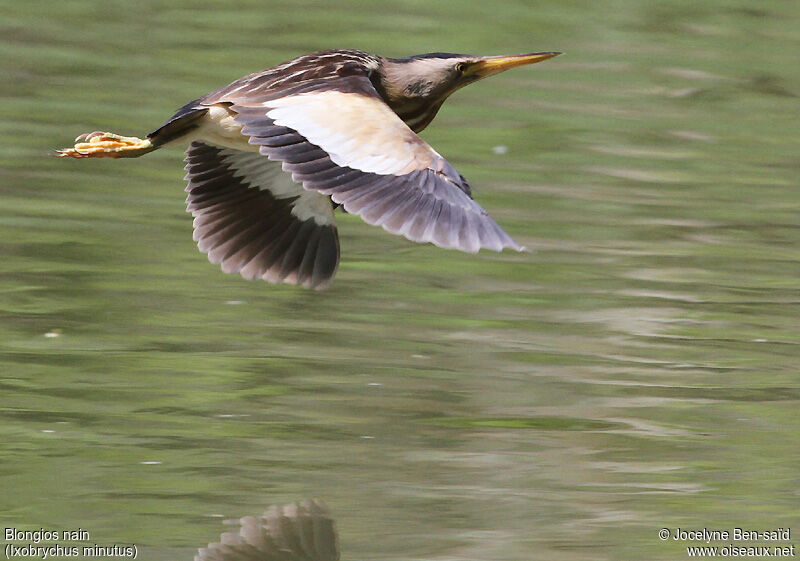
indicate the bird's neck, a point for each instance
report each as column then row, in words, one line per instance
column 417, row 116
column 410, row 103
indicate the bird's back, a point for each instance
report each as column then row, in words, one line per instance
column 292, row 76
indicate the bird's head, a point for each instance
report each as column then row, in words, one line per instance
column 434, row 76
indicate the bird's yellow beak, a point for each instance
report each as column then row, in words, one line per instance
column 489, row 65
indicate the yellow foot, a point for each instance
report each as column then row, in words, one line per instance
column 100, row 144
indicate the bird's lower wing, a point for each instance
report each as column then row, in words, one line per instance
column 341, row 140
column 253, row 220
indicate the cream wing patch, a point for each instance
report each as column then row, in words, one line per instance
column 358, row 132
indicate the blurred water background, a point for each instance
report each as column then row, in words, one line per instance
column 638, row 371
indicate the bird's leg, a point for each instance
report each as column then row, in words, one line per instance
column 100, row 144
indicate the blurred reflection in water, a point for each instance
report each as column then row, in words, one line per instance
column 294, row 532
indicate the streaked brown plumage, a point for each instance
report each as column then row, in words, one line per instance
column 272, row 154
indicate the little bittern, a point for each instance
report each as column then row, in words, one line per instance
column 272, row 154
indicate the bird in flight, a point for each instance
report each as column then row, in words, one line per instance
column 272, row 154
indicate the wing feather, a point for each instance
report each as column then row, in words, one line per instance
column 337, row 137
column 252, row 219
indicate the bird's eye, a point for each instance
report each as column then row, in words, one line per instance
column 460, row 67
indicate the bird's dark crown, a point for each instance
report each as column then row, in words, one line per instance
column 430, row 55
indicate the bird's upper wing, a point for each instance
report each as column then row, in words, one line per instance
column 296, row 532
column 336, row 136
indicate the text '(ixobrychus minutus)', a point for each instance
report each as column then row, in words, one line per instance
column 272, row 154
